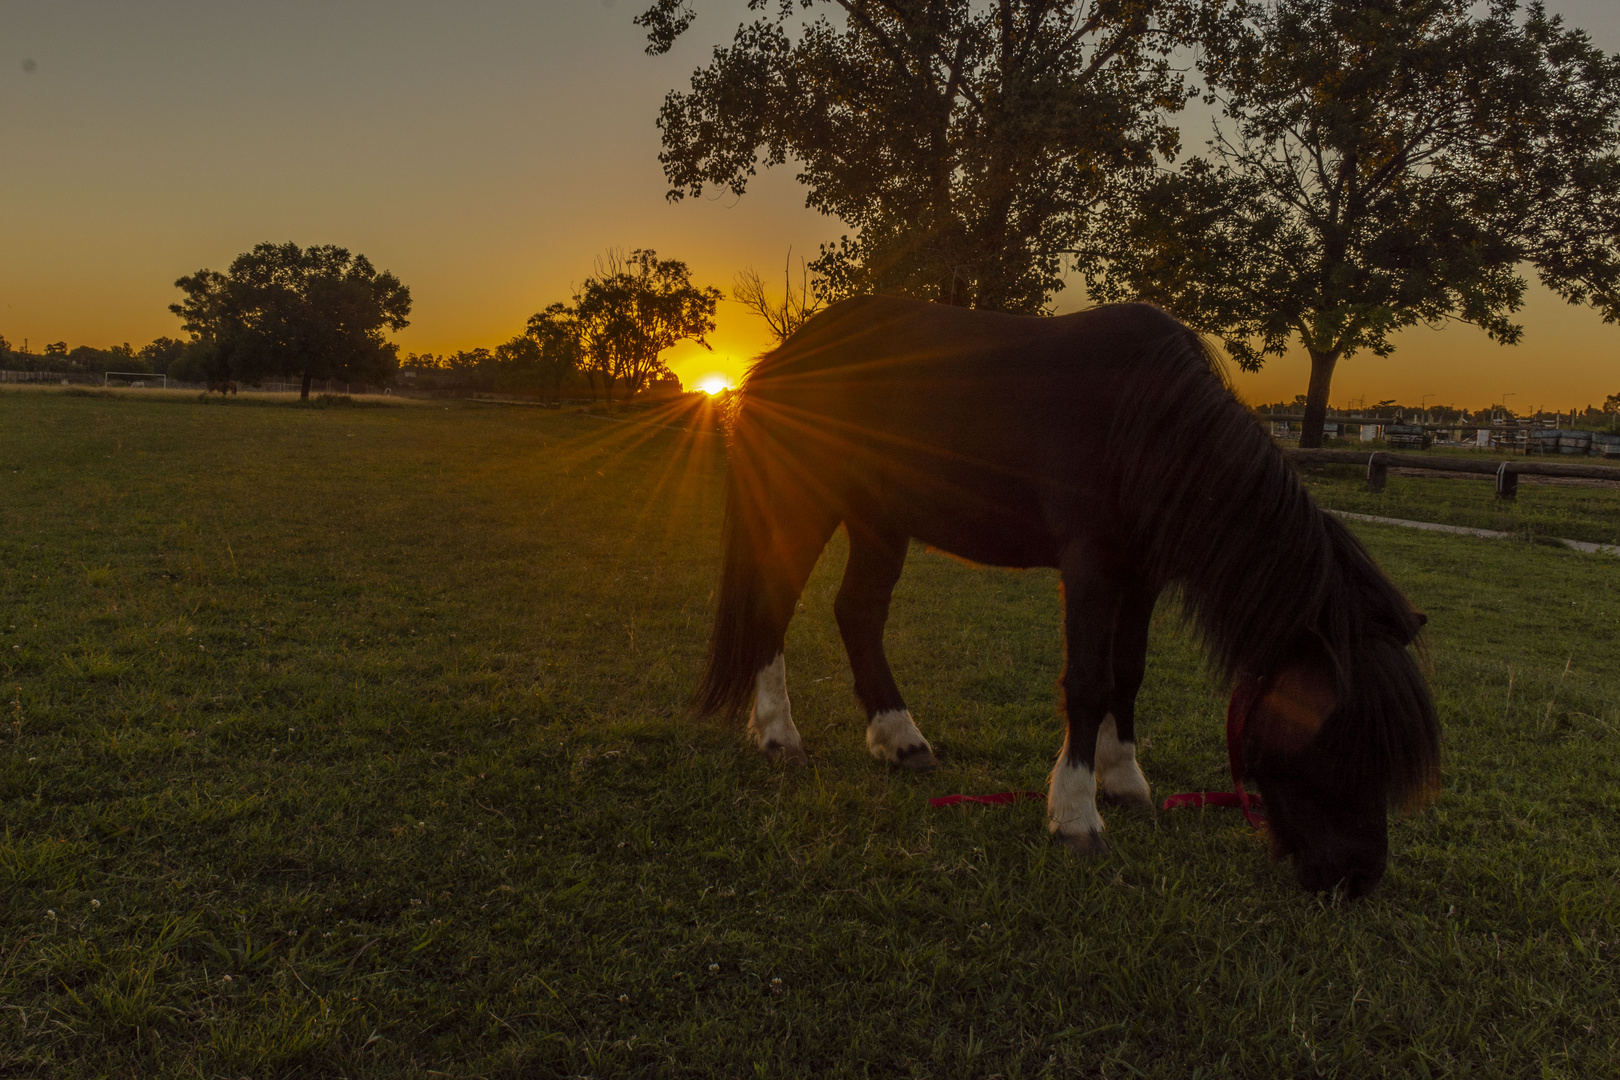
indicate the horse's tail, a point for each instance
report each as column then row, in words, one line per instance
column 741, row 624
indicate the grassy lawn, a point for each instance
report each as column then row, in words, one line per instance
column 1541, row 512
column 348, row 742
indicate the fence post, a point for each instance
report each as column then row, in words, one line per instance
column 1507, row 482
column 1377, row 471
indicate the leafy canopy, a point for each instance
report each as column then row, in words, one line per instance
column 1383, row 163
column 964, row 142
column 554, row 336
column 622, row 319
column 309, row 313
column 628, row 313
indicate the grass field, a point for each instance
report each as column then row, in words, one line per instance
column 1542, row 512
column 348, row 741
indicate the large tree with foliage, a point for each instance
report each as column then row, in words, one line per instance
column 554, row 333
column 304, row 313
column 964, row 142
column 162, row 353
column 634, row 308
column 516, row 364
column 1381, row 163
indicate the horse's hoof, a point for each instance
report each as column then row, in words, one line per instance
column 787, row 755
column 919, row 758
column 1130, row 800
column 1086, row 843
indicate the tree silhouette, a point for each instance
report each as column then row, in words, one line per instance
column 1387, row 163
column 782, row 317
column 634, row 308
column 555, row 335
column 964, row 142
column 315, row 313
column 161, row 353
column 516, row 365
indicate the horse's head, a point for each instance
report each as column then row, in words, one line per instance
column 1329, row 752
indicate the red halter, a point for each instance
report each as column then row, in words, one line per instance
column 1245, row 696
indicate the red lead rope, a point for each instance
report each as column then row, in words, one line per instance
column 1245, row 696
column 1000, row 798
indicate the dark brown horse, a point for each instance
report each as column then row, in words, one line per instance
column 1105, row 444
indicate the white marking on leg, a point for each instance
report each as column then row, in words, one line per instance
column 771, row 722
column 892, row 736
column 1118, row 774
column 1071, row 805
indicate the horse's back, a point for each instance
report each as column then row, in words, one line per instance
column 968, row 429
column 872, row 339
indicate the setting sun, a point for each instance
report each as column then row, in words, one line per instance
column 713, row 384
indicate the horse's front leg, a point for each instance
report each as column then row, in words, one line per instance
column 1118, row 775
column 1092, row 596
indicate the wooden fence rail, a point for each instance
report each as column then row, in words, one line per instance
column 1507, row 473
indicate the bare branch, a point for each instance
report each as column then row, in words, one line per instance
column 784, row 316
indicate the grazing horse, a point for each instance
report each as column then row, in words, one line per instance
column 1108, row 445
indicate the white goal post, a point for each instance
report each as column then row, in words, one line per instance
column 136, row 378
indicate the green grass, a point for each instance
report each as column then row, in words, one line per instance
column 1541, row 512
column 348, row 742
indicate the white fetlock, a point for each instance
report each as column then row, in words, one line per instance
column 1071, row 806
column 771, row 722
column 892, row 736
column 1118, row 774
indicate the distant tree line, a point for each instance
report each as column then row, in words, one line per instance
column 305, row 314
column 156, row 357
column 278, row 311
column 1606, row 415
column 610, row 339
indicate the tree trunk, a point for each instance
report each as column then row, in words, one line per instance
column 304, row 394
column 1316, row 398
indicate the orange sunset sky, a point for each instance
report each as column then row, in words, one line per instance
column 486, row 151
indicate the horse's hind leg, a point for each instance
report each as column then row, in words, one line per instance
column 1092, row 598
column 795, row 551
column 862, row 609
column 1118, row 775
column 771, row 721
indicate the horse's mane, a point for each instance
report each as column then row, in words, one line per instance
column 1210, row 506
